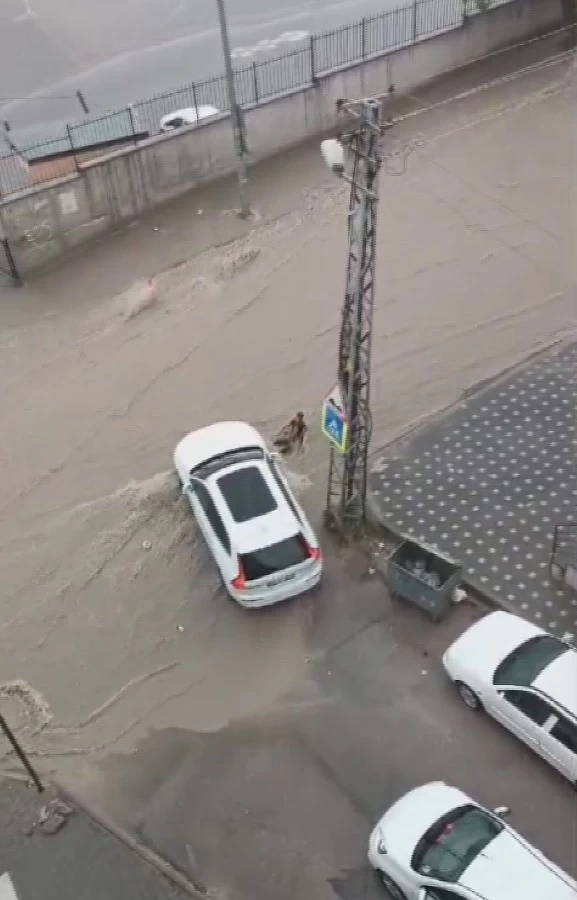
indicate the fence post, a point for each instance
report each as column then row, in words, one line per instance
column 195, row 100
column 14, row 273
column 130, row 113
column 69, row 130
column 255, row 83
column 415, row 33
column 312, row 59
column 363, row 37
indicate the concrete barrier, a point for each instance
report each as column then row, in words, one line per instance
column 47, row 222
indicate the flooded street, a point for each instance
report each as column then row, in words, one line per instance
column 110, row 608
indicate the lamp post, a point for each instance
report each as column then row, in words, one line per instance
column 235, row 113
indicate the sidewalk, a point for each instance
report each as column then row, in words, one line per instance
column 489, row 482
column 80, row 861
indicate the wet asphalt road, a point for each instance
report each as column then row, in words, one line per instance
column 282, row 805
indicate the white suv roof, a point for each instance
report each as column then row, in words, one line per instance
column 558, row 681
column 260, row 530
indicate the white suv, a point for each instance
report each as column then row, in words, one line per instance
column 435, row 843
column 524, row 678
column 256, row 530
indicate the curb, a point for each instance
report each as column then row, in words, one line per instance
column 152, row 859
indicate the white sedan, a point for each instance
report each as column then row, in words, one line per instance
column 524, row 678
column 180, row 118
column 258, row 534
column 436, row 843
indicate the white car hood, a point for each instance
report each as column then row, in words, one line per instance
column 508, row 869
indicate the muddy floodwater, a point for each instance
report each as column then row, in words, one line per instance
column 110, row 613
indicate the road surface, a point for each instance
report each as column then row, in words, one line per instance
column 281, row 804
column 79, row 860
column 113, row 624
column 117, row 53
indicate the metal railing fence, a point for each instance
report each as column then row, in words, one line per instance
column 256, row 83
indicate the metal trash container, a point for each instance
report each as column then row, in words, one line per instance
column 423, row 576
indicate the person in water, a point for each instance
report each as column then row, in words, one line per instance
column 292, row 436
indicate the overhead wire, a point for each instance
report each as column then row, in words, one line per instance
column 395, row 162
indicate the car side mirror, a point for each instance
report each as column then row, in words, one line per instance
column 276, row 457
column 502, row 811
column 186, row 488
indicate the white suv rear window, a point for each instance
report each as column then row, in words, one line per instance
column 273, row 559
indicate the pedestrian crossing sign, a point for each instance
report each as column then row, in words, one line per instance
column 334, row 422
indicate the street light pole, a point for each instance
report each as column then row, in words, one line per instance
column 237, row 124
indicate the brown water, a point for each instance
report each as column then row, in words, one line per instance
column 110, row 609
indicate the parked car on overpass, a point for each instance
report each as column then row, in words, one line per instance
column 180, row 118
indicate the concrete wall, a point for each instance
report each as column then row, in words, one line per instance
column 44, row 223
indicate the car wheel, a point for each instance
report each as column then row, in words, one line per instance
column 392, row 887
column 468, row 696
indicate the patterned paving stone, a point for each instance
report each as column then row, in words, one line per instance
column 489, row 482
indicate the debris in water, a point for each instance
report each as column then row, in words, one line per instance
column 235, row 259
column 52, row 817
column 459, row 595
column 138, row 298
column 33, row 711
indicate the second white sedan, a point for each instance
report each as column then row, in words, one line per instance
column 523, row 677
column 436, row 843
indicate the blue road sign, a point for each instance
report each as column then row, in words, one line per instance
column 334, row 426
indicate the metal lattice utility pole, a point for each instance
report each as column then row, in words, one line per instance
column 347, row 487
column 240, row 148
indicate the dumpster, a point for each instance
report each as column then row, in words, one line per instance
column 423, row 576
